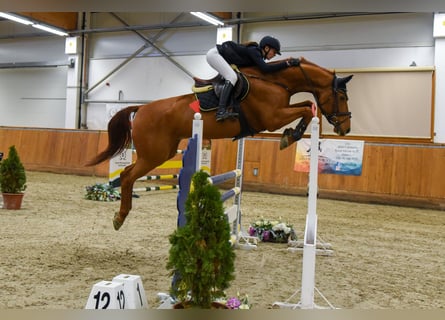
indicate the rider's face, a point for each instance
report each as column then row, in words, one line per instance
column 269, row 52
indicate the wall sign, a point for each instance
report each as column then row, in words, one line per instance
column 335, row 156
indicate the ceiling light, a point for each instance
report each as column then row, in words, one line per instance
column 208, row 18
column 15, row 18
column 50, row 29
column 33, row 24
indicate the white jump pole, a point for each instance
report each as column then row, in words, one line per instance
column 198, row 130
column 310, row 235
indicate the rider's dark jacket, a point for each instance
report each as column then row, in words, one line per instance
column 247, row 56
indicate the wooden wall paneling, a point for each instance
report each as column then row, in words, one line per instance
column 426, row 163
column 91, row 149
column 32, row 147
column 99, row 143
column 252, row 160
column 378, row 169
column 436, row 165
column 275, row 167
column 432, row 181
column 362, row 182
column 398, row 177
column 248, row 169
column 268, row 159
column 224, row 153
column 283, row 167
column 52, row 149
column 418, row 172
column 407, row 164
column 250, row 151
column 75, row 145
column 8, row 138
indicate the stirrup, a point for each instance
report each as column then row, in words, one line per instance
column 226, row 115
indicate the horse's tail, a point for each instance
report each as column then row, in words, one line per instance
column 119, row 135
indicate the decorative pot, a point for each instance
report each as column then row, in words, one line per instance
column 12, row 201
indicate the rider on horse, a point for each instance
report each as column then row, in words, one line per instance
column 223, row 55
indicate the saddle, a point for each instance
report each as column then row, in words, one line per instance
column 207, row 91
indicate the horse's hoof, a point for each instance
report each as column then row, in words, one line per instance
column 117, row 222
column 284, row 142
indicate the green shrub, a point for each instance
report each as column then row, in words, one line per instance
column 201, row 256
column 12, row 173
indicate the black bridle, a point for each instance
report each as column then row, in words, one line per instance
column 337, row 86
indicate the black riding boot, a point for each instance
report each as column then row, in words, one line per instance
column 224, row 99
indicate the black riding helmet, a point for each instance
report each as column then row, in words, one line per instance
column 271, row 42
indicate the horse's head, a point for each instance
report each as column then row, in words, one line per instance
column 330, row 93
column 335, row 108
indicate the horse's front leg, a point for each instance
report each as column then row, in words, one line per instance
column 291, row 135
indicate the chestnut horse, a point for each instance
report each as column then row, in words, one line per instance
column 159, row 126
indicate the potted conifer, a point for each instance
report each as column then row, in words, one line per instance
column 12, row 180
column 201, row 258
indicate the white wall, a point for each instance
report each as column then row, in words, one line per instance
column 33, row 97
column 36, row 50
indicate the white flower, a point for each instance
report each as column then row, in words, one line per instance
column 279, row 227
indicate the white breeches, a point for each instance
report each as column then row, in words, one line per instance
column 217, row 62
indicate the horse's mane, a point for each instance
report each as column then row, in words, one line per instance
column 303, row 61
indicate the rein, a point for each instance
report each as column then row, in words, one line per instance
column 282, row 85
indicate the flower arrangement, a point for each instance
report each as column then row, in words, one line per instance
column 239, row 302
column 102, row 192
column 272, row 231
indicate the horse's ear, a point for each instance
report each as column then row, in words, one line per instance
column 341, row 82
column 347, row 79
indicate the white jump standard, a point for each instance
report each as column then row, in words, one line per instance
column 310, row 236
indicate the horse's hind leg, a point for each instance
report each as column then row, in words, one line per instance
column 128, row 177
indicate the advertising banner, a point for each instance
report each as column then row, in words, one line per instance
column 335, row 156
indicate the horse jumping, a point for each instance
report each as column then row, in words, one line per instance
column 159, row 126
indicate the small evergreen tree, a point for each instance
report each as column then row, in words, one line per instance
column 12, row 173
column 201, row 255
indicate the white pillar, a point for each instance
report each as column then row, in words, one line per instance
column 439, row 62
column 72, row 95
column 72, row 83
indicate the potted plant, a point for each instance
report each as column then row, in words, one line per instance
column 201, row 258
column 12, row 180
